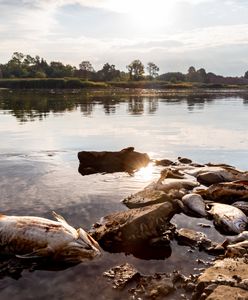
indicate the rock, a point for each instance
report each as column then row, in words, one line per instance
column 193, row 238
column 227, row 272
column 153, row 287
column 146, row 197
column 226, row 292
column 122, row 231
column 126, row 160
column 122, row 275
column 164, row 162
column 189, row 236
column 184, row 160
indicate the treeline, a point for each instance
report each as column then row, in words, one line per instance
column 201, row 76
column 26, row 66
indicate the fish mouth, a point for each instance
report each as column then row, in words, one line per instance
column 87, row 241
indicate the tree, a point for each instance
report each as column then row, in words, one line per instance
column 85, row 69
column 172, row 76
column 136, row 70
column 107, row 73
column 246, row 75
column 58, row 70
column 201, row 75
column 192, row 75
column 152, row 70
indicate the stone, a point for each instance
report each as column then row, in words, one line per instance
column 223, row 292
column 146, row 197
column 122, row 275
column 126, row 160
column 157, row 286
column 126, row 229
column 228, row 272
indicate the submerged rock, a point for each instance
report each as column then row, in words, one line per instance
column 140, row 286
column 126, row 160
column 122, row 275
column 194, row 238
column 157, row 286
column 122, row 231
column 190, row 237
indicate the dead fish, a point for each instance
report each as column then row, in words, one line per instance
column 32, row 237
column 195, row 204
column 242, row 205
column 228, row 218
column 215, row 174
column 243, row 244
column 226, row 191
column 171, row 173
column 175, row 184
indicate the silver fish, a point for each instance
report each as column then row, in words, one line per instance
column 239, row 238
column 175, row 184
column 242, row 205
column 32, row 237
column 220, row 174
column 195, row 204
column 226, row 191
column 230, row 219
column 243, row 244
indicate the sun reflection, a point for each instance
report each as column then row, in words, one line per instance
column 146, row 173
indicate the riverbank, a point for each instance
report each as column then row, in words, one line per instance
column 77, row 83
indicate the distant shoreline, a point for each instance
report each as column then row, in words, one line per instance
column 74, row 84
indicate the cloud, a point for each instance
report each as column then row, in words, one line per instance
column 36, row 27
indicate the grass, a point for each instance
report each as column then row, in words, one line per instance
column 77, row 83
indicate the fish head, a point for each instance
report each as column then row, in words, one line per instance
column 240, row 225
column 84, row 247
column 235, row 226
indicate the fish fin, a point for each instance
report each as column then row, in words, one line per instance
column 59, row 218
column 180, row 204
column 43, row 252
column 88, row 239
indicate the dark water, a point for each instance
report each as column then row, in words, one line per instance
column 40, row 137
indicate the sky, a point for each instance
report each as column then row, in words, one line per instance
column 174, row 34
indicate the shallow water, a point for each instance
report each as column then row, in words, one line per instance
column 40, row 138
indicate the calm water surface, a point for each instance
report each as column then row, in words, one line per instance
column 40, row 137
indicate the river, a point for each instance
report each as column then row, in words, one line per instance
column 40, row 137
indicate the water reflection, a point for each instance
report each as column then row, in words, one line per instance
column 30, row 106
column 13, row 267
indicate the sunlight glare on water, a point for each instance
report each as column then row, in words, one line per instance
column 145, row 173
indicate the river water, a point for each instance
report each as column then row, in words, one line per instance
column 40, row 136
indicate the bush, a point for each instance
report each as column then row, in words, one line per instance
column 50, row 83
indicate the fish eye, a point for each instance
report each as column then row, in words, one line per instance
column 242, row 225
